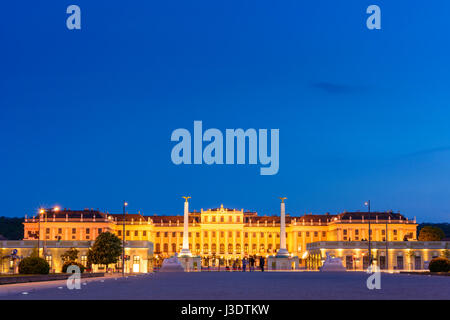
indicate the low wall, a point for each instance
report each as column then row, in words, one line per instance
column 44, row 277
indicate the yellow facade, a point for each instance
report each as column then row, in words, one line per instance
column 226, row 234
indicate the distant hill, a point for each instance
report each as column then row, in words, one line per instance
column 11, row 228
column 444, row 226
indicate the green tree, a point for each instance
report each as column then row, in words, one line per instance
column 70, row 255
column 430, row 233
column 34, row 265
column 107, row 249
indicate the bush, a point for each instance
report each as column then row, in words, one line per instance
column 69, row 263
column 439, row 265
column 34, row 265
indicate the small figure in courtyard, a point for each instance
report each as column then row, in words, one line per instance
column 261, row 263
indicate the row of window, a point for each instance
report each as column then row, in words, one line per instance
column 230, row 248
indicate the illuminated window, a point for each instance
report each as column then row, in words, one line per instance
column 222, row 248
column 230, row 248
column 230, row 219
column 213, row 234
column 238, row 219
column 84, row 260
column 214, row 219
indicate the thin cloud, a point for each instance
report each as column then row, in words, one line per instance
column 335, row 88
column 427, row 151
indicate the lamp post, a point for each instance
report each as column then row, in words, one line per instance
column 387, row 254
column 370, row 249
column 123, row 238
column 41, row 211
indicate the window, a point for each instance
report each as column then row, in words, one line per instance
column 197, row 234
column 222, row 248
column 47, row 230
column 166, row 234
column 136, row 260
column 157, row 234
column 144, row 233
column 221, row 219
column 174, row 247
column 205, row 234
column 230, row 248
column 345, row 232
column 128, row 233
column 324, row 234
column 84, row 260
column 262, row 234
column 158, row 248
column 246, row 234
column 74, row 230
column 166, row 247
column 238, row 234
column 59, row 230
column 213, row 248
column 222, row 234
column 213, row 234
column 189, row 234
column 100, row 230
column 238, row 248
column 316, row 234
column 205, row 247
column 383, row 232
column 307, row 233
column 174, row 234
column 230, row 234
column 299, row 234
column 88, row 231
column 214, row 219
column 49, row 260
column 238, row 219
column 136, row 233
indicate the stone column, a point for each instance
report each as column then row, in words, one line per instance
column 283, row 251
column 185, row 250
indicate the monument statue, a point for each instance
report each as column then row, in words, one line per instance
column 172, row 264
column 332, row 264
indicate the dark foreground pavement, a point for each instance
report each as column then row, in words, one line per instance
column 239, row 285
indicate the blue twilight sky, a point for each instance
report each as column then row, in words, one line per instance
column 86, row 116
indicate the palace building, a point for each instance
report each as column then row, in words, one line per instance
column 221, row 235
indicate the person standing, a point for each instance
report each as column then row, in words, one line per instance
column 244, row 264
column 261, row 263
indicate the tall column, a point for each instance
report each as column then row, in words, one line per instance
column 185, row 250
column 283, row 251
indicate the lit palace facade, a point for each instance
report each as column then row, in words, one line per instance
column 221, row 233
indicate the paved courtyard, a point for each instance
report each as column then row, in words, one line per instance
column 238, row 285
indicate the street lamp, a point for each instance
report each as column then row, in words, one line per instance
column 370, row 249
column 41, row 211
column 123, row 238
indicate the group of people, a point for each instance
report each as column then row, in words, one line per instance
column 251, row 262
